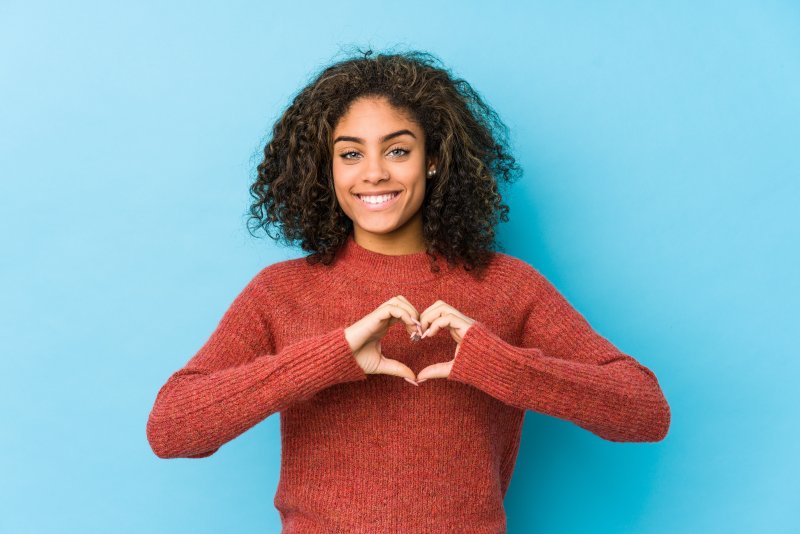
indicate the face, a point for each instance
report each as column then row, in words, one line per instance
column 379, row 168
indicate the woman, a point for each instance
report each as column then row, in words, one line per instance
column 386, row 169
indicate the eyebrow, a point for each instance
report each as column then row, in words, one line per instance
column 382, row 140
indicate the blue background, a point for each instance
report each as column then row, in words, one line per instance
column 660, row 148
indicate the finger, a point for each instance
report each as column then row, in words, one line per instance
column 388, row 366
column 411, row 308
column 437, row 370
column 400, row 300
column 428, row 314
column 432, row 312
column 453, row 323
column 403, row 303
column 413, row 311
column 436, row 325
column 442, row 310
column 396, row 312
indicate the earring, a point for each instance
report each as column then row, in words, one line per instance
column 431, row 172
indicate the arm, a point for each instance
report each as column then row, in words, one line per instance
column 236, row 379
column 565, row 369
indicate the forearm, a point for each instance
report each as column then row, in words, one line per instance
column 198, row 410
column 616, row 397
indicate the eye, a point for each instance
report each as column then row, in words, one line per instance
column 402, row 152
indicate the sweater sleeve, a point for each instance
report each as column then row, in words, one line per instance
column 237, row 379
column 565, row 369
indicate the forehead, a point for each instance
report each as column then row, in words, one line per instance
column 374, row 113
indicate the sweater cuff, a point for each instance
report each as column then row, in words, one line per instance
column 489, row 363
column 322, row 361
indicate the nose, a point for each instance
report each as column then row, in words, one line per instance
column 375, row 171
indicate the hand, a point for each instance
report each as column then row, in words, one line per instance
column 364, row 337
column 441, row 315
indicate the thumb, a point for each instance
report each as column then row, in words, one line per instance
column 437, row 370
column 388, row 366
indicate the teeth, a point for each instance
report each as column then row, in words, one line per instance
column 379, row 199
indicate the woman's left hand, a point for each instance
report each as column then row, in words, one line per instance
column 437, row 316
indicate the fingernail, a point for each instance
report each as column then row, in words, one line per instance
column 410, row 381
column 421, row 381
column 425, row 333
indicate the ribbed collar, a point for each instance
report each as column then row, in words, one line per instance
column 361, row 263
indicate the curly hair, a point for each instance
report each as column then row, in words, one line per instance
column 294, row 188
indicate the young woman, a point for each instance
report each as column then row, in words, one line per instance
column 387, row 169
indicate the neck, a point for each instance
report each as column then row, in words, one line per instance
column 408, row 239
column 361, row 263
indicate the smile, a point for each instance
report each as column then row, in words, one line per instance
column 379, row 202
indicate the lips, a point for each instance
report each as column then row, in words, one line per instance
column 380, row 205
column 375, row 193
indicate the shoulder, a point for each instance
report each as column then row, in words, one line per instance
column 529, row 285
column 288, row 278
column 281, row 273
column 512, row 282
column 514, row 270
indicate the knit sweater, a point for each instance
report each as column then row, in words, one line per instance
column 373, row 453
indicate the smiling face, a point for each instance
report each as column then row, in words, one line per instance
column 379, row 173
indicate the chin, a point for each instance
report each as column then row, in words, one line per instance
column 379, row 229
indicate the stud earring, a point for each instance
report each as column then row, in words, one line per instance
column 431, row 172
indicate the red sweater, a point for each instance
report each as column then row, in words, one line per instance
column 373, row 453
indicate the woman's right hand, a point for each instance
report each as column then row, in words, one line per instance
column 364, row 337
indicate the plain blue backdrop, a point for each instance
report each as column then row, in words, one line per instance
column 660, row 145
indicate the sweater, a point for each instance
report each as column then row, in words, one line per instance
column 374, row 453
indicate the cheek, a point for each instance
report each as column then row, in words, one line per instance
column 341, row 180
column 343, row 197
column 344, row 176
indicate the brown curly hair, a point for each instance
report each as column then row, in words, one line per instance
column 294, row 187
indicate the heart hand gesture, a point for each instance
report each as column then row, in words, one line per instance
column 364, row 337
column 441, row 315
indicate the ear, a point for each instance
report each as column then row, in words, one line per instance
column 432, row 166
